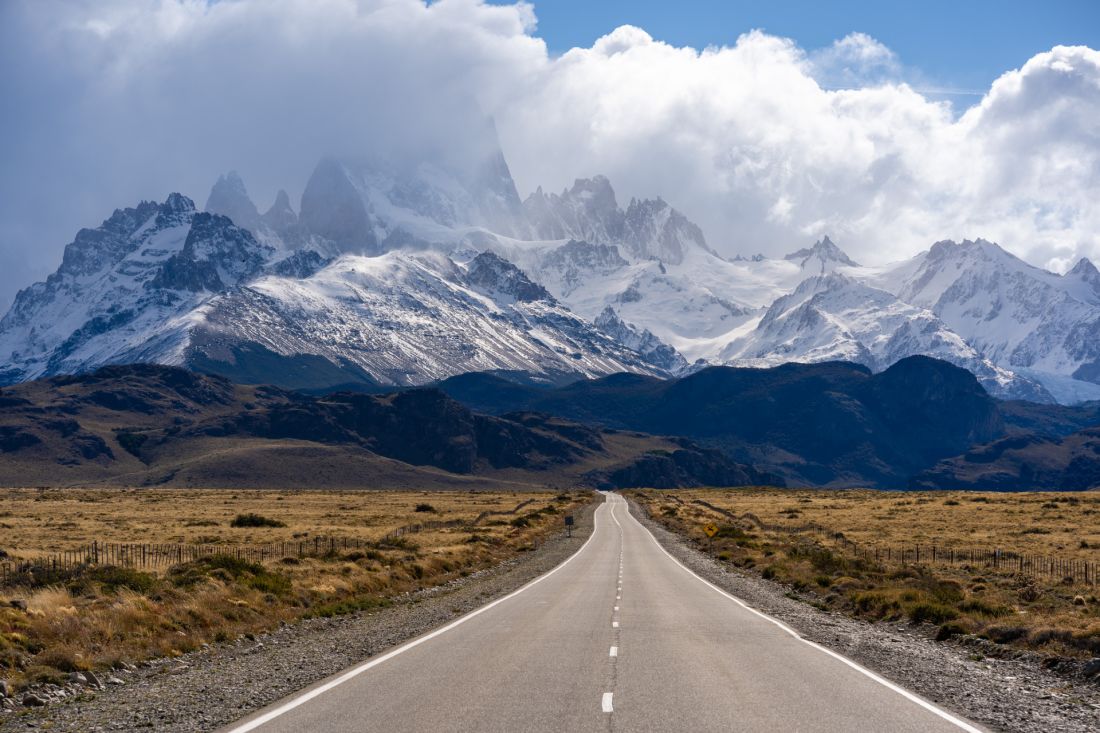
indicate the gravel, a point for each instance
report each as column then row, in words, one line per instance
column 217, row 685
column 1001, row 694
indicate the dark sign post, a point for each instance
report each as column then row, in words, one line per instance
column 568, row 525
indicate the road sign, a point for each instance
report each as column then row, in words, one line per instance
column 711, row 529
column 568, row 520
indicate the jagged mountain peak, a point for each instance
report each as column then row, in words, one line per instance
column 1084, row 268
column 641, row 340
column 824, row 252
column 229, row 197
column 498, row 276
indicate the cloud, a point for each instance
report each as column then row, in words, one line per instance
column 765, row 144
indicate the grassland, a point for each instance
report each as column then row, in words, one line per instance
column 103, row 616
column 1052, row 615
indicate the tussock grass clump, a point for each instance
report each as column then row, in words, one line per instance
column 255, row 520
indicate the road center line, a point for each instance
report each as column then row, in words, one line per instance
column 614, row 652
column 607, row 708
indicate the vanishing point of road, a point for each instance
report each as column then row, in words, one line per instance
column 619, row 637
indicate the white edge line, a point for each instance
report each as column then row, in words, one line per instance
column 607, row 707
column 356, row 671
column 854, row 665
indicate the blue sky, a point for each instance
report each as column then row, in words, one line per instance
column 958, row 44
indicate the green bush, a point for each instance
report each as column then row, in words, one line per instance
column 425, row 508
column 255, row 520
column 113, row 577
column 934, row 613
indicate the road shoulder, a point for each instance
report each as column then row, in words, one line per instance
column 205, row 690
column 1008, row 695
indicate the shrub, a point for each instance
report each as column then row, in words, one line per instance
column 951, row 629
column 425, row 508
column 982, row 607
column 113, row 577
column 228, row 568
column 255, row 520
column 935, row 613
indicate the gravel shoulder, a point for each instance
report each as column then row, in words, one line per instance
column 1001, row 694
column 213, row 687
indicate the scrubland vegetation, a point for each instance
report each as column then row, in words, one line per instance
column 103, row 616
column 834, row 565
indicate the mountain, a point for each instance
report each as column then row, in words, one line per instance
column 167, row 284
column 151, row 425
column 832, row 423
column 1025, row 462
column 128, row 290
column 823, row 257
column 405, row 269
column 646, row 230
column 834, row 317
column 1019, row 317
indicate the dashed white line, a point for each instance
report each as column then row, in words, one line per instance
column 614, row 624
column 616, row 608
column 607, row 703
column 614, row 652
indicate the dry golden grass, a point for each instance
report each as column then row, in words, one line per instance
column 1038, row 523
column 1050, row 614
column 38, row 521
column 103, row 616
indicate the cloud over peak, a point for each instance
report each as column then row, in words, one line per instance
column 764, row 143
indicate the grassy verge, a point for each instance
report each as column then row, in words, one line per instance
column 1053, row 616
column 103, row 616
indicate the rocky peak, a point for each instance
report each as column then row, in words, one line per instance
column 229, row 197
column 281, row 215
column 1086, row 273
column 643, row 341
column 1085, row 269
column 334, row 209
column 94, row 249
column 587, row 211
column 822, row 256
column 176, row 210
column 655, row 230
column 216, row 255
column 496, row 275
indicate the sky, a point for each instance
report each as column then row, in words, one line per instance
column 888, row 126
column 957, row 45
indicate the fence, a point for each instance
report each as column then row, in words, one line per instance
column 58, row 566
column 1037, row 566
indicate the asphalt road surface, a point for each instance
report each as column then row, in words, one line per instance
column 619, row 637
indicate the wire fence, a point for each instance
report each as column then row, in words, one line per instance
column 59, row 566
column 1051, row 567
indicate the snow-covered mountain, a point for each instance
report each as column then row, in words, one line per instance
column 1018, row 316
column 395, row 272
column 165, row 283
column 835, row 317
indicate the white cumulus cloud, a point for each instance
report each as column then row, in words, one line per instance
column 763, row 143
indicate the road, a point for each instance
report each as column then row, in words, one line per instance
column 619, row 637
